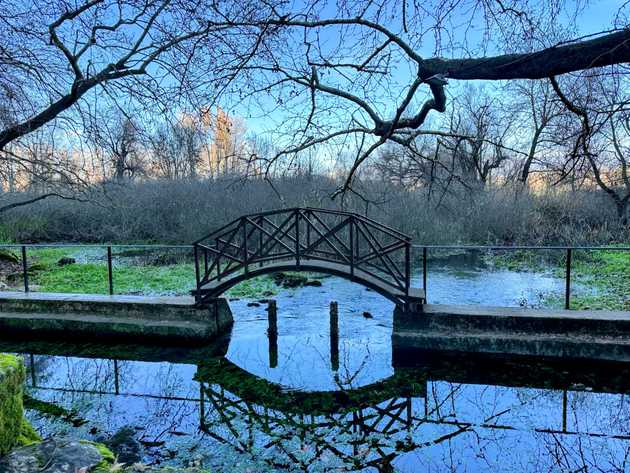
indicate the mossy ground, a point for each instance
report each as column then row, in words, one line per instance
column 108, row 462
column 131, row 274
column 608, row 272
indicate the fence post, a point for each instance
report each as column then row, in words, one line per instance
column 567, row 289
column 424, row 271
column 24, row 268
column 272, row 333
column 407, row 266
column 110, row 272
column 196, row 254
column 334, row 336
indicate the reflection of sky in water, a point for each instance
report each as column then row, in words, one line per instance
column 304, row 360
column 454, row 427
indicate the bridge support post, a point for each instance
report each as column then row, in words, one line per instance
column 272, row 333
column 334, row 336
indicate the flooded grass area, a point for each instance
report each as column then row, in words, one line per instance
column 602, row 277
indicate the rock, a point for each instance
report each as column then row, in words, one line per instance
column 367, row 315
column 3, row 286
column 124, row 445
column 253, row 304
column 56, row 455
column 313, row 283
column 65, row 261
column 9, row 257
column 166, row 259
column 289, row 281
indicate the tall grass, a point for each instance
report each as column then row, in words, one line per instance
column 182, row 211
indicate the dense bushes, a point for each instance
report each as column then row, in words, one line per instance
column 181, row 211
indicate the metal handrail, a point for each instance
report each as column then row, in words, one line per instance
column 519, row 247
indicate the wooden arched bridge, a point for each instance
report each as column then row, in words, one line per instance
column 333, row 242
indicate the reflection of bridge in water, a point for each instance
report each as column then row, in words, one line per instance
column 416, row 408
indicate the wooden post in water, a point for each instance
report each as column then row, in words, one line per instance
column 272, row 333
column 334, row 336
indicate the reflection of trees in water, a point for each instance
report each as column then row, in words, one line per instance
column 154, row 399
column 449, row 429
column 436, row 425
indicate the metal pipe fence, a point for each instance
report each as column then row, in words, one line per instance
column 568, row 252
column 23, row 249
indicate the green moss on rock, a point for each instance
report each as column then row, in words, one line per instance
column 28, row 435
column 108, row 458
column 11, row 408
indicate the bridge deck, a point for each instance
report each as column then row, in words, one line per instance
column 314, row 265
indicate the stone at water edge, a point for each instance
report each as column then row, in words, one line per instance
column 124, row 445
column 65, row 261
column 55, row 455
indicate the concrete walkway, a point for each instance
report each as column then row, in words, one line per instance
column 137, row 318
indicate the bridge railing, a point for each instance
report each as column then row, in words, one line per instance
column 364, row 247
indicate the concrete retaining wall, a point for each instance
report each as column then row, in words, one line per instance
column 601, row 335
column 134, row 318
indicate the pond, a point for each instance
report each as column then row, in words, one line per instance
column 251, row 402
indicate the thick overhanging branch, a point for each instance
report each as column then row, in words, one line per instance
column 437, row 103
column 606, row 50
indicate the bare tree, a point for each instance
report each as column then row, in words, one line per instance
column 121, row 146
column 602, row 114
column 361, row 78
column 57, row 55
column 540, row 108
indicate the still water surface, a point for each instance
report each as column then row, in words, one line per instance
column 254, row 404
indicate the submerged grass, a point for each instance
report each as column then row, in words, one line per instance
column 89, row 275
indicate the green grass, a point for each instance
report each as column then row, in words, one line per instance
column 92, row 277
column 608, row 272
column 524, row 260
